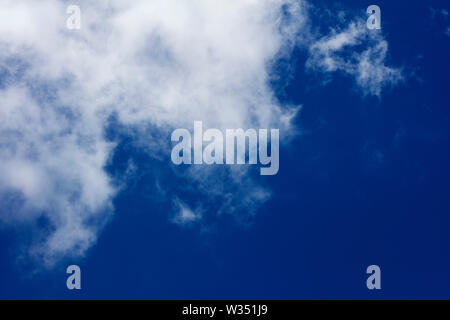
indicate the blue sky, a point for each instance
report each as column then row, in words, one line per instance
column 87, row 177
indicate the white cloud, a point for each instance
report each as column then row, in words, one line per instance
column 358, row 52
column 185, row 215
column 157, row 64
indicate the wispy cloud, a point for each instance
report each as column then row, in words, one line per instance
column 358, row 52
column 184, row 215
column 441, row 15
column 154, row 66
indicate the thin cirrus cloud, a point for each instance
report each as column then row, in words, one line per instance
column 441, row 15
column 151, row 64
column 358, row 52
column 184, row 214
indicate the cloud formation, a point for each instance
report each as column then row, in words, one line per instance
column 185, row 215
column 358, row 52
column 442, row 16
column 154, row 66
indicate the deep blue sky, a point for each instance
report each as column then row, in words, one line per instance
column 368, row 182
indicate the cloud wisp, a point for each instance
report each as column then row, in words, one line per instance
column 154, row 66
column 358, row 52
